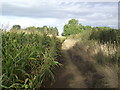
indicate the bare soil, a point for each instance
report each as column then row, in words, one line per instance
column 69, row 76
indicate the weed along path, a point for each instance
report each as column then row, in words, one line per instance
column 69, row 76
column 80, row 68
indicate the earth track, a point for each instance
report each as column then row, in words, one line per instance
column 69, row 76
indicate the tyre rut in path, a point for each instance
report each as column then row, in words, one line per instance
column 69, row 76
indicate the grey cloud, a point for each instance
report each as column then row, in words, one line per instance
column 94, row 13
column 55, row 11
column 33, row 12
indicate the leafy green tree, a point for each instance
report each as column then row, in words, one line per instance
column 73, row 27
column 31, row 28
column 44, row 29
column 16, row 27
column 73, row 22
column 88, row 27
column 54, row 31
column 50, row 30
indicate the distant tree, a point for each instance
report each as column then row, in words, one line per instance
column 73, row 27
column 88, row 27
column 55, row 31
column 31, row 28
column 73, row 22
column 16, row 27
column 44, row 29
column 50, row 30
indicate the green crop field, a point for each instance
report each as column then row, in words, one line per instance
column 29, row 60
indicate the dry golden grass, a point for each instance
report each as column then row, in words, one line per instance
column 99, row 55
column 93, row 60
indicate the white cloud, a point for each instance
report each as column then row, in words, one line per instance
column 58, row 12
column 8, row 21
column 23, row 21
column 21, row 3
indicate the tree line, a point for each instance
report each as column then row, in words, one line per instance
column 44, row 29
column 103, row 34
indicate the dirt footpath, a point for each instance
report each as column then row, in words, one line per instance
column 69, row 76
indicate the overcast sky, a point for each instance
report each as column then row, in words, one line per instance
column 57, row 13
